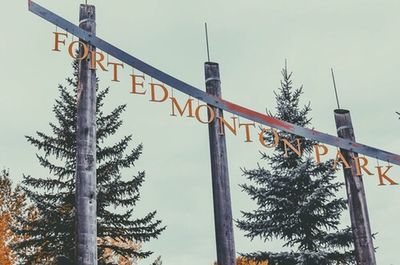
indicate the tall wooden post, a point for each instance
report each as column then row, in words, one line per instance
column 86, row 225
column 220, row 177
column 363, row 244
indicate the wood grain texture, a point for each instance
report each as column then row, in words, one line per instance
column 220, row 176
column 86, row 234
column 365, row 254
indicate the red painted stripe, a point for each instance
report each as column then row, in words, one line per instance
column 356, row 145
column 252, row 113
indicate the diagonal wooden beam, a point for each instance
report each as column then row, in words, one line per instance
column 207, row 98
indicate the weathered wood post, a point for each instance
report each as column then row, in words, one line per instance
column 86, row 225
column 365, row 254
column 220, row 177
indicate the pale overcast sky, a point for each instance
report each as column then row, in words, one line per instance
column 250, row 39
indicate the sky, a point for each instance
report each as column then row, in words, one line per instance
column 250, row 39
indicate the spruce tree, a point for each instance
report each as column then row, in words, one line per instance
column 52, row 233
column 296, row 197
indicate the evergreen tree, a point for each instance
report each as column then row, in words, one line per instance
column 53, row 232
column 296, row 197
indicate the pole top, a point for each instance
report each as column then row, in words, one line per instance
column 211, row 63
column 87, row 13
column 341, row 111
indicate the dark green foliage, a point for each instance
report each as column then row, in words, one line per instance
column 54, row 196
column 296, row 197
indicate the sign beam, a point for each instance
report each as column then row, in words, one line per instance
column 233, row 108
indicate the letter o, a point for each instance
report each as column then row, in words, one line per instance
column 85, row 50
column 211, row 115
column 262, row 140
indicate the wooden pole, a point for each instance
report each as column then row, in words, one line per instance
column 86, row 224
column 220, row 177
column 62, row 260
column 365, row 254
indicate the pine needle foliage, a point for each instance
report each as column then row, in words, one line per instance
column 296, row 198
column 53, row 232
